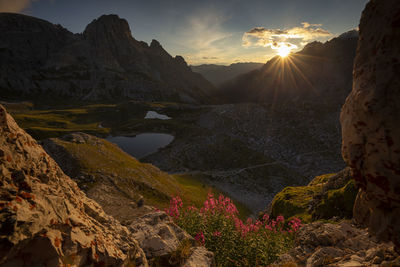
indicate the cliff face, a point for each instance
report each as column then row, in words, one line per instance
column 40, row 59
column 370, row 120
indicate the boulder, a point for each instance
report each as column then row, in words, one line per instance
column 163, row 241
column 326, row 244
column 370, row 121
column 157, row 234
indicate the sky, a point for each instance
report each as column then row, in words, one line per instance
column 206, row 31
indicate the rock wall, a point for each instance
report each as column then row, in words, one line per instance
column 370, row 120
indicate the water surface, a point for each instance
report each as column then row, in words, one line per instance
column 155, row 115
column 142, row 145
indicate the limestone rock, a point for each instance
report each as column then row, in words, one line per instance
column 370, row 120
column 157, row 234
column 326, row 244
column 159, row 238
column 45, row 218
column 200, row 257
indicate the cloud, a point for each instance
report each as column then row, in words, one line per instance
column 14, row 6
column 277, row 38
column 202, row 37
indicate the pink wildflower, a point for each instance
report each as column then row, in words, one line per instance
column 217, row 233
column 295, row 224
column 279, row 219
column 200, row 237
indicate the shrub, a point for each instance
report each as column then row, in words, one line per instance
column 217, row 226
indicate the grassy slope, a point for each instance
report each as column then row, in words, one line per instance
column 97, row 119
column 57, row 122
column 155, row 185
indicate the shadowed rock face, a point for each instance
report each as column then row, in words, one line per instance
column 40, row 59
column 370, row 120
column 45, row 218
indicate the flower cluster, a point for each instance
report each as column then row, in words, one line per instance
column 217, row 226
column 222, row 204
column 200, row 237
column 174, row 205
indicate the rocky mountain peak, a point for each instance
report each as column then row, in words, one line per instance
column 349, row 34
column 155, row 44
column 108, row 26
column 111, row 32
column 180, row 60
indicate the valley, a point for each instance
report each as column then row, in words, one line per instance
column 245, row 150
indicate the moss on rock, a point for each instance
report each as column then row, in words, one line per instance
column 325, row 197
column 296, row 200
column 337, row 202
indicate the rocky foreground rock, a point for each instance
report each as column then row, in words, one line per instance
column 339, row 245
column 370, row 121
column 45, row 219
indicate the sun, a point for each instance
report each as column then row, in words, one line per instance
column 284, row 51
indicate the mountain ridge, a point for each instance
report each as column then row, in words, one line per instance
column 218, row 74
column 319, row 71
column 105, row 62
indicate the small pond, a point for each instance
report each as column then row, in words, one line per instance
column 155, row 115
column 142, row 145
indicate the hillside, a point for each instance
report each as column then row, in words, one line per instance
column 119, row 182
column 218, row 74
column 40, row 60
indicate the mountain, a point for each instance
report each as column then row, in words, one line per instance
column 217, row 74
column 41, row 60
column 320, row 71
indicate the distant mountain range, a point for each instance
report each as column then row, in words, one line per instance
column 41, row 60
column 320, row 73
column 217, row 74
